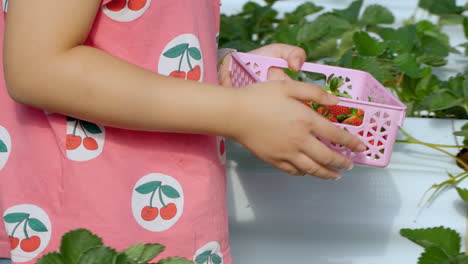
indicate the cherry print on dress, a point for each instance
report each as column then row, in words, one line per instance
column 184, row 51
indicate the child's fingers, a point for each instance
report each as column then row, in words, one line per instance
column 277, row 74
column 310, row 92
column 307, row 165
column 289, row 168
column 334, row 134
column 319, row 152
column 295, row 56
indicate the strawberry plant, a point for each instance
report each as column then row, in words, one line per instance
column 80, row 246
column 406, row 59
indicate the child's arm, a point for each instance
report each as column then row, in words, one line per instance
column 47, row 66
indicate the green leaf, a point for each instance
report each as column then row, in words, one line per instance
column 325, row 26
column 148, row 187
column 447, row 239
column 71, row 119
column 195, row 53
column 465, row 26
column 433, row 60
column 97, row 255
column 325, row 49
column 216, row 259
column 409, row 65
column 3, row 147
column 76, row 242
column 377, row 14
column 433, row 255
column 450, row 19
column 463, row 193
column 303, row 10
column 351, row 13
column 444, row 99
column 176, row 51
column 365, row 44
column 37, row 225
column 15, row 217
column 286, row 34
column 463, row 133
column 91, row 127
column 434, row 46
column 51, row 258
column 175, row 260
column 120, row 258
column 151, row 251
column 203, row 257
column 440, row 7
column 459, row 259
column 370, row 65
column 134, row 252
column 404, row 37
column 170, row 192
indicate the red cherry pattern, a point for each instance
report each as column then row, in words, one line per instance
column 194, row 74
column 14, row 242
column 149, row 213
column 134, row 5
column 30, row 244
column 178, row 74
column 168, row 212
column 90, row 143
column 72, row 142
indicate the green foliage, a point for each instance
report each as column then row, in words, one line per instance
column 441, row 245
column 80, row 246
column 402, row 58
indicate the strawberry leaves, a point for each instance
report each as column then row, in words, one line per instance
column 80, row 246
column 442, row 245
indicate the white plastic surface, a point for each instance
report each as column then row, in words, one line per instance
column 276, row 218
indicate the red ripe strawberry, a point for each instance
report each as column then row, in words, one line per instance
column 354, row 120
column 333, row 119
column 360, row 112
column 337, row 110
column 322, row 110
column 378, row 143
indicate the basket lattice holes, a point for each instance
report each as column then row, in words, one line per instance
column 379, row 112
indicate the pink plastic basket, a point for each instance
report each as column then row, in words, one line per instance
column 383, row 115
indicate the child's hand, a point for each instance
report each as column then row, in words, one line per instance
column 295, row 56
column 271, row 122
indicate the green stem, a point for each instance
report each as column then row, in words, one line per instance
column 25, row 227
column 16, row 227
column 160, row 197
column 180, row 61
column 152, row 196
column 415, row 141
column 84, row 130
column 188, row 60
column 430, row 144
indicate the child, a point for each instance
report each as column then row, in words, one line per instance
column 129, row 141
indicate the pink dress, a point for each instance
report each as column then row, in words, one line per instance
column 59, row 173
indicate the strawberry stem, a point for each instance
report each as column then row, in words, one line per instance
column 415, row 141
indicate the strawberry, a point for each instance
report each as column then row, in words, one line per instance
column 332, row 118
column 337, row 110
column 353, row 120
column 378, row 143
